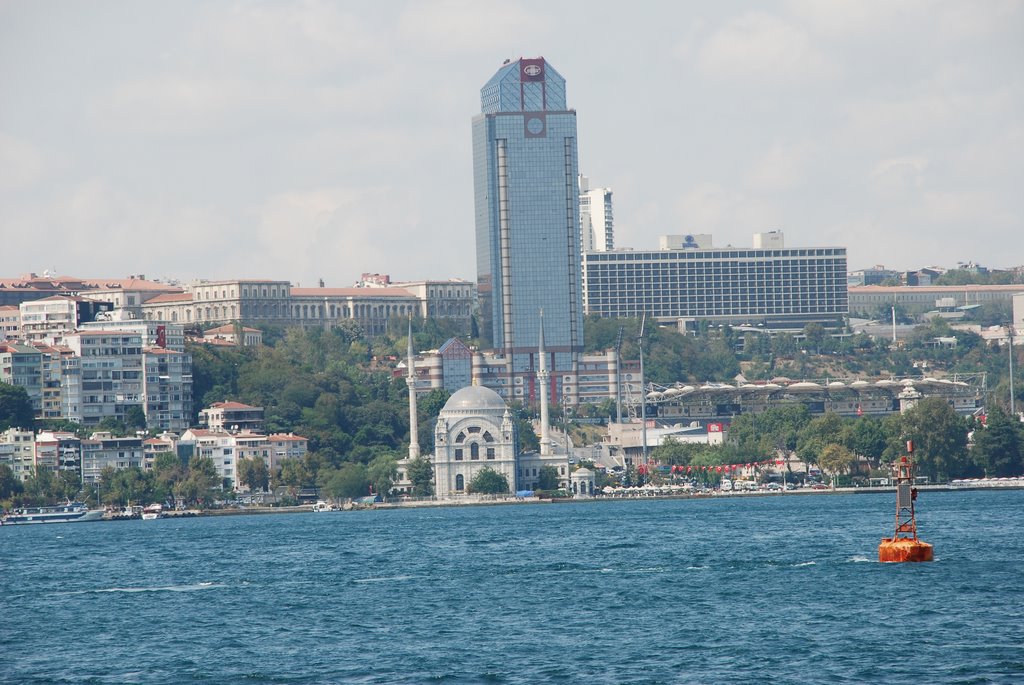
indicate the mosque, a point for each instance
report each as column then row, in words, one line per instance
column 475, row 430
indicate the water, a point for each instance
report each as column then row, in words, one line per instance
column 740, row 590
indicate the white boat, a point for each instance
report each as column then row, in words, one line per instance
column 71, row 512
column 153, row 511
column 322, row 506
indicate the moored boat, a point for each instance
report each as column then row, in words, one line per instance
column 153, row 511
column 71, row 512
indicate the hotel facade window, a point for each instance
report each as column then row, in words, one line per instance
column 779, row 288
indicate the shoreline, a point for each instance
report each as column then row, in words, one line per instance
column 425, row 504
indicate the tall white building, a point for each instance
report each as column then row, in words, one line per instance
column 596, row 220
column 106, row 378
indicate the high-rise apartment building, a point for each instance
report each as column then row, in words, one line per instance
column 527, row 219
column 597, row 225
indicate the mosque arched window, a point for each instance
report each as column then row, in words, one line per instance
column 460, row 438
column 488, row 437
column 460, row 482
column 474, row 451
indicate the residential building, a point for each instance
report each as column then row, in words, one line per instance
column 51, row 318
column 232, row 417
column 597, row 224
column 17, row 450
column 166, row 443
column 285, row 446
column 51, row 359
column 10, row 322
column 128, row 294
column 525, row 173
column 105, row 378
column 219, row 447
column 167, row 389
column 776, row 288
column 58, row 451
column 103, row 450
column 22, row 365
column 236, row 334
column 170, row 336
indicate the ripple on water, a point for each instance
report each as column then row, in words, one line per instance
column 617, row 592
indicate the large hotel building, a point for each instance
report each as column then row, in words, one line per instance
column 768, row 285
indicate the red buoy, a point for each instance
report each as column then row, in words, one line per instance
column 904, row 544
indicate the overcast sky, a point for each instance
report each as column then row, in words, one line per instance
column 306, row 140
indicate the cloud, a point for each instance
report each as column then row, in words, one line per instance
column 899, row 175
column 731, row 216
column 466, row 26
column 22, row 164
column 340, row 232
column 782, row 167
column 761, row 48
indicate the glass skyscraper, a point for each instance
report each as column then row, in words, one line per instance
column 527, row 220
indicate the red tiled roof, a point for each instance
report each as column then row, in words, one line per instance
column 368, row 293
column 892, row 289
column 229, row 328
column 159, row 350
column 170, row 297
column 232, row 405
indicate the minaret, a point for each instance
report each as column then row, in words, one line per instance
column 543, row 379
column 410, row 380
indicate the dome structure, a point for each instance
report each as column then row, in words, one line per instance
column 474, row 398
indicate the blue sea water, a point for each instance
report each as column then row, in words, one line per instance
column 781, row 589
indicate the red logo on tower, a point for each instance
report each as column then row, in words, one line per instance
column 531, row 69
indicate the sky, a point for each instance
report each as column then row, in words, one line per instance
column 316, row 140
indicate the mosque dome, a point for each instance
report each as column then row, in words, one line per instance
column 473, row 398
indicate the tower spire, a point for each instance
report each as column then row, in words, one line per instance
column 543, row 379
column 410, row 381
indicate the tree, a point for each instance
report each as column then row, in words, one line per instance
column 68, row 485
column 15, row 408
column 168, row 472
column 9, row 483
column 836, row 459
column 135, row 418
column 293, row 473
column 487, row 481
column 548, row 478
column 253, row 474
column 348, row 481
column 382, row 472
column 421, row 474
column 198, row 485
column 999, row 445
column 939, row 436
column 818, row 434
column 868, row 438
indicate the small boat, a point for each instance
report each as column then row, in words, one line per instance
column 153, row 511
column 322, row 506
column 71, row 512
